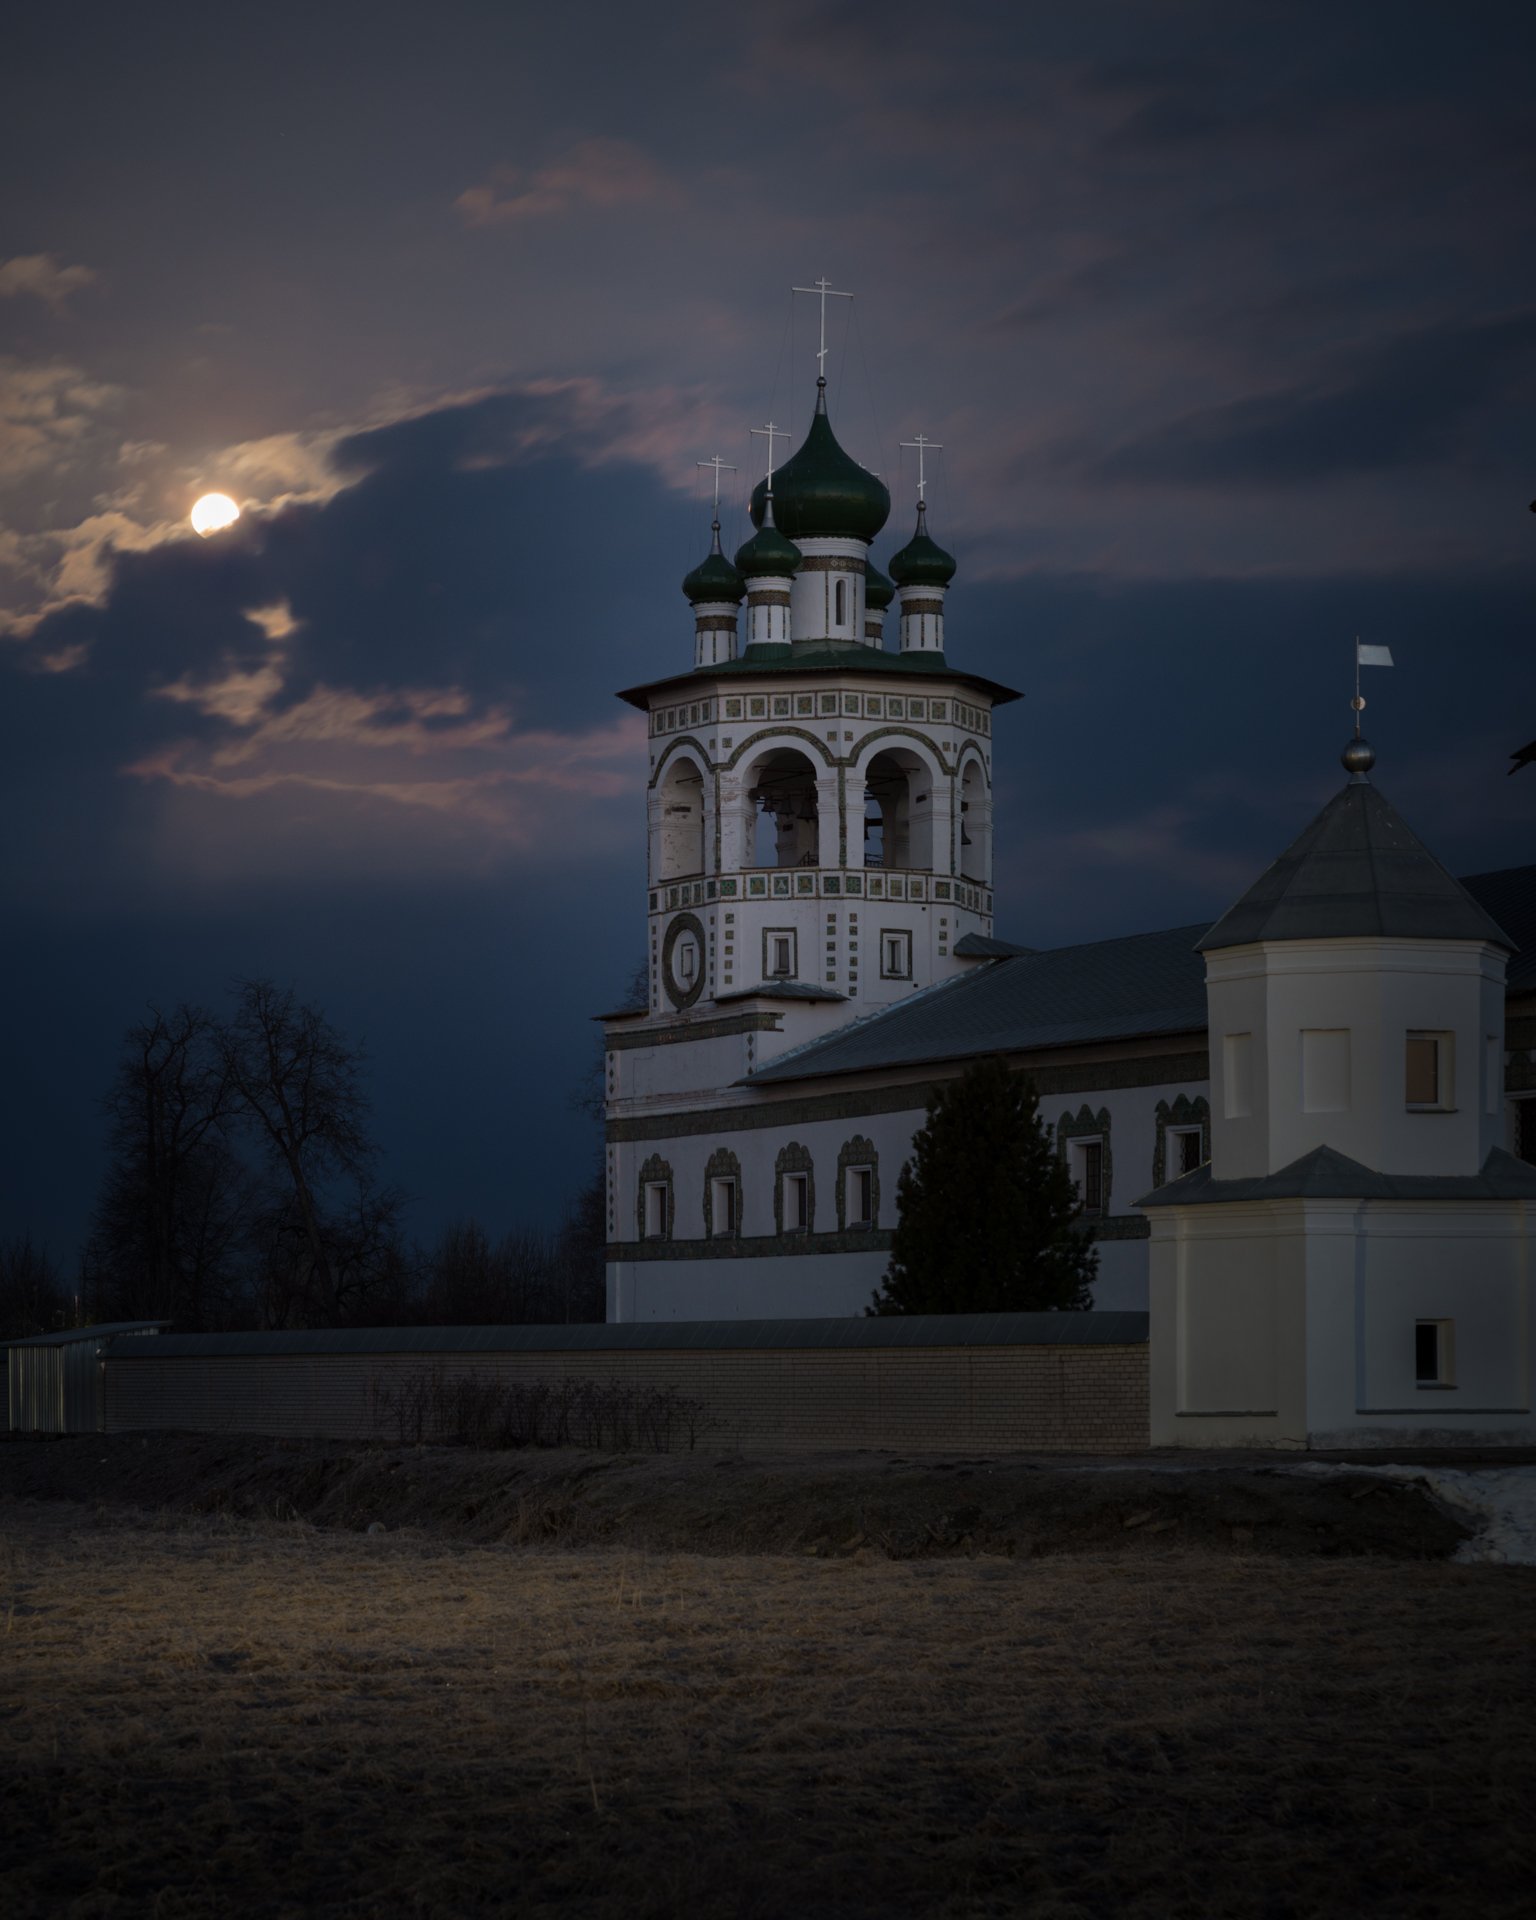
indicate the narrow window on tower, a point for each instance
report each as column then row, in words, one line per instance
column 1184, row 1153
column 895, row 954
column 779, row 953
column 797, row 1202
column 840, row 602
column 655, row 1209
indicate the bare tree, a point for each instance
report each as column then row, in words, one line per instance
column 175, row 1203
column 297, row 1086
column 33, row 1297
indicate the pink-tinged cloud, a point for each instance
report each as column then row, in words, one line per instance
column 40, row 276
column 600, row 173
column 358, row 760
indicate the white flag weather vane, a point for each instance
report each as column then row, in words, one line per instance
column 1366, row 656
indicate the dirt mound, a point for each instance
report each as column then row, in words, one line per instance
column 877, row 1504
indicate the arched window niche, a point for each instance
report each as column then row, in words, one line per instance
column 680, row 799
column 898, row 811
column 783, row 821
column 975, row 822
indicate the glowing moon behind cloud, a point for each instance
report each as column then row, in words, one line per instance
column 212, row 512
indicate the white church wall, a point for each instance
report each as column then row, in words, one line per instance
column 782, row 1287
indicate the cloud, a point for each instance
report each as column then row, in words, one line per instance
column 602, row 173
column 41, row 277
column 1401, row 405
column 47, row 411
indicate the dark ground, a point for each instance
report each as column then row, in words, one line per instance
column 844, row 1687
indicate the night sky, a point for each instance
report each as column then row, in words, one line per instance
column 1226, row 317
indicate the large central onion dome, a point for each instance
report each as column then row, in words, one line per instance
column 821, row 492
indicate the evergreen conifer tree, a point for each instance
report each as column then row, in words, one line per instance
column 988, row 1217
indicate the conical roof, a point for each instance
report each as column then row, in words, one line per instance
column 821, row 492
column 1357, row 870
column 922, row 562
column 714, row 578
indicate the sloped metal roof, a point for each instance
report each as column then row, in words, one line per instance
column 984, row 946
column 72, row 1335
column 665, row 1336
column 1357, row 869
column 1326, row 1174
column 1143, row 984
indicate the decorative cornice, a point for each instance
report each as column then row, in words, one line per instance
column 696, row 1030
column 761, row 1246
column 1156, row 1070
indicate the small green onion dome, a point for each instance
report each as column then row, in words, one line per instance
column 767, row 552
column 878, row 591
column 714, row 578
column 821, row 492
column 922, row 562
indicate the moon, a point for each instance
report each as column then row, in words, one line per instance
column 213, row 512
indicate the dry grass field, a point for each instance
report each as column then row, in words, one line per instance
column 233, row 1715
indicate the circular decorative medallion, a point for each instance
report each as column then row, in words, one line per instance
column 682, row 961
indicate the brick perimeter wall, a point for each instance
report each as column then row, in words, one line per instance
column 1050, row 1399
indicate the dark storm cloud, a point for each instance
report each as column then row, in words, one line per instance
column 1402, row 404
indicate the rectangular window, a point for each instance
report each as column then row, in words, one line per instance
column 1184, row 1153
column 1089, row 1155
column 1433, row 1352
column 1428, row 1076
column 861, row 1195
column 779, row 957
column 655, row 1209
column 1237, row 1075
column 895, row 954
column 1325, row 1069
column 722, row 1207
column 797, row 1202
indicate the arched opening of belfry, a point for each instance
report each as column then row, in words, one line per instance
column 786, row 825
column 682, row 820
column 898, row 811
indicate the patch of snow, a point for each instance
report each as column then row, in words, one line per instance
column 1500, row 1502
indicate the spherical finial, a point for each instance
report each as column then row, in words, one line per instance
column 1358, row 758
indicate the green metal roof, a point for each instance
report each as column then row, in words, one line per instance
column 879, row 592
column 768, row 553
column 714, row 578
column 1325, row 1174
column 823, row 492
column 922, row 562
column 884, row 1331
column 1357, row 870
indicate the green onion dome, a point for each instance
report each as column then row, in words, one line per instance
column 767, row 552
column 714, row 578
column 878, row 591
column 821, row 492
column 922, row 562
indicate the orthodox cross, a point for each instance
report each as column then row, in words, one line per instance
column 719, row 466
column 772, row 433
column 922, row 444
column 823, row 287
